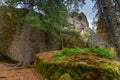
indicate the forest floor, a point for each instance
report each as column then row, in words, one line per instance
column 7, row 72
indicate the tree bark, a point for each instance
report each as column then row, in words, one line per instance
column 113, row 28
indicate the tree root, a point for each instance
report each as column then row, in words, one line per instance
column 1, row 77
column 19, row 66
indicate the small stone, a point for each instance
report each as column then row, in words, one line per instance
column 82, row 63
column 65, row 77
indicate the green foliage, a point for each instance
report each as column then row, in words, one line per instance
column 55, row 13
column 102, row 52
column 12, row 2
column 34, row 18
column 73, row 51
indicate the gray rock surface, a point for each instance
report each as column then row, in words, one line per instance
column 97, row 41
column 80, row 24
column 26, row 41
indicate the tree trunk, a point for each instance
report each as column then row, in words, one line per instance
column 113, row 28
column 117, row 2
column 31, row 5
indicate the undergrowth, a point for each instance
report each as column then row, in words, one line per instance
column 73, row 51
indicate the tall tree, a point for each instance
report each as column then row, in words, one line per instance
column 107, row 12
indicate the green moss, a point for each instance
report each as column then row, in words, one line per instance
column 65, row 77
column 72, row 42
column 79, row 67
column 11, row 20
column 98, row 51
column 8, row 30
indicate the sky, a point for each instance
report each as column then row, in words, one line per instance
column 87, row 10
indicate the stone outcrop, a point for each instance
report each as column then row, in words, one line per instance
column 21, row 41
column 27, row 41
column 97, row 41
column 80, row 23
column 72, row 41
column 83, row 19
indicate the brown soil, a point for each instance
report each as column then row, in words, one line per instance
column 7, row 72
column 47, row 56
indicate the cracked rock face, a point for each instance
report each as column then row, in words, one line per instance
column 79, row 22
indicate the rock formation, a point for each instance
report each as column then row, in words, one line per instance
column 21, row 42
column 97, row 41
column 72, row 41
column 80, row 23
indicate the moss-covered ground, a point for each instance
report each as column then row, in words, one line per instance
column 87, row 66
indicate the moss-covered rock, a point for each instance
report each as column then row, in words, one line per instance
column 87, row 66
column 72, row 41
column 7, row 28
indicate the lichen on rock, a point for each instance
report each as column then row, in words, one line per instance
column 7, row 29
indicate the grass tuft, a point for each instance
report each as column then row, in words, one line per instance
column 73, row 51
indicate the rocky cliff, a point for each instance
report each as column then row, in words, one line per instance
column 80, row 23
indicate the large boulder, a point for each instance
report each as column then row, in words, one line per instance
column 20, row 41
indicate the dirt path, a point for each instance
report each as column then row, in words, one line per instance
column 47, row 56
column 22, row 74
column 8, row 73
